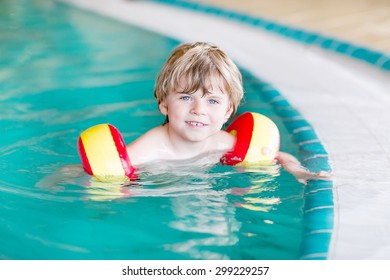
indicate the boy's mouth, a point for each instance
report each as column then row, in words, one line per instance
column 192, row 123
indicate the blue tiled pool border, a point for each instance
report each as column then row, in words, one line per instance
column 319, row 204
column 373, row 57
column 318, row 216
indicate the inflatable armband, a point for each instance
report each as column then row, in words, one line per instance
column 103, row 154
column 257, row 140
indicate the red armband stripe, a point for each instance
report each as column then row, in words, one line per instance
column 242, row 128
column 122, row 151
column 83, row 157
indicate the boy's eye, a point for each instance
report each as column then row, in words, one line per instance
column 185, row 98
column 213, row 101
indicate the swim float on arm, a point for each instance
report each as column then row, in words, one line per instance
column 103, row 152
column 257, row 140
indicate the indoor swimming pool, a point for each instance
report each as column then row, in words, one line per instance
column 62, row 74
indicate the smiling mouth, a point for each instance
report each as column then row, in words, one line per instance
column 196, row 124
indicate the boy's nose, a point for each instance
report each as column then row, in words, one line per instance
column 198, row 108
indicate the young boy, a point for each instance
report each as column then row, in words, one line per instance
column 198, row 89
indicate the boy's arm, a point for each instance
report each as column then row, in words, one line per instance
column 65, row 174
column 292, row 165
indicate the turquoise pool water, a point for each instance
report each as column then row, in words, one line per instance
column 63, row 70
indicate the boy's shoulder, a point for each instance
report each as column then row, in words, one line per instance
column 156, row 134
column 224, row 140
column 143, row 149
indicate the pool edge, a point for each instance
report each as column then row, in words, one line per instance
column 375, row 58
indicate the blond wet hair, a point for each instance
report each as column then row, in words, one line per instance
column 196, row 63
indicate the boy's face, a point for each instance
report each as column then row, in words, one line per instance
column 197, row 116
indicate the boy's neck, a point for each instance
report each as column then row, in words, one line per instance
column 182, row 149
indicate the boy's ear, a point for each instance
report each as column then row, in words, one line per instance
column 163, row 108
column 228, row 113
